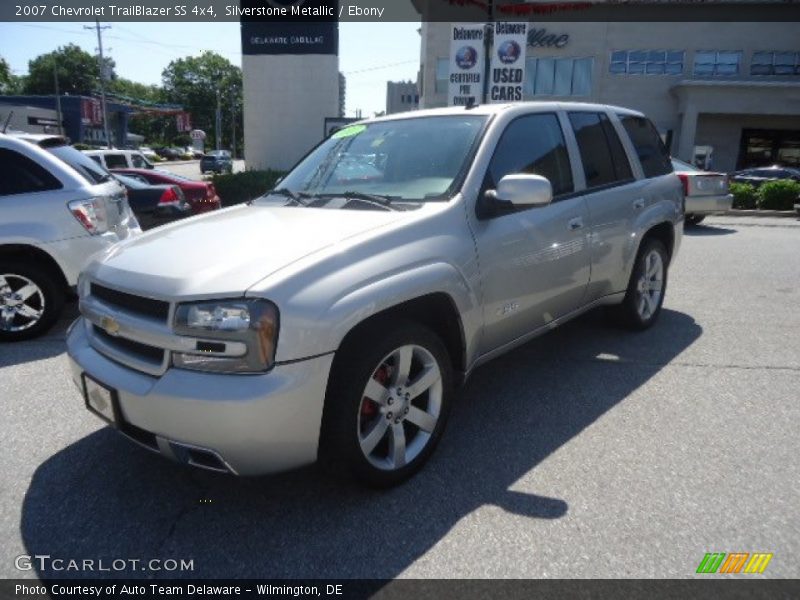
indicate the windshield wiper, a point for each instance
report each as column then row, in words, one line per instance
column 298, row 197
column 374, row 199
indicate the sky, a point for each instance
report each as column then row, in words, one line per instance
column 370, row 54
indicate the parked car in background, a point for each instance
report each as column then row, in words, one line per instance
column 706, row 192
column 119, row 159
column 335, row 321
column 149, row 153
column 169, row 153
column 201, row 195
column 53, row 217
column 761, row 175
column 217, row 161
column 154, row 205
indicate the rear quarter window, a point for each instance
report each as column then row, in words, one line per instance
column 21, row 175
column 650, row 149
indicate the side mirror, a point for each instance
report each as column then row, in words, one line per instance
column 523, row 189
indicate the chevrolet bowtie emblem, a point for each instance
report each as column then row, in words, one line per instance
column 110, row 325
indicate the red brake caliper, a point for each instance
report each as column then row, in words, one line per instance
column 368, row 407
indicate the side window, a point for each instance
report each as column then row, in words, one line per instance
column 533, row 144
column 116, row 161
column 21, row 175
column 603, row 157
column 138, row 161
column 651, row 150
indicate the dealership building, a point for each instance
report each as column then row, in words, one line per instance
column 728, row 92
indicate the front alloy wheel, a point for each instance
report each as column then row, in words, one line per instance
column 387, row 403
column 400, row 407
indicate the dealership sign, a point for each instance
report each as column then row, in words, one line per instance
column 507, row 72
column 289, row 27
column 466, row 64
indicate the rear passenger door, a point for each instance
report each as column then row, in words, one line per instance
column 613, row 197
column 534, row 262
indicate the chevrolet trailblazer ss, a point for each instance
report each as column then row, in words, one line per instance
column 334, row 317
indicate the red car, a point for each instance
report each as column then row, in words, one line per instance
column 201, row 195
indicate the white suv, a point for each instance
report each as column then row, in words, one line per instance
column 57, row 208
column 119, row 159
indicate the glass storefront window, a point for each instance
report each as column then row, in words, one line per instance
column 558, row 77
column 647, row 62
column 775, row 63
column 442, row 75
column 716, row 62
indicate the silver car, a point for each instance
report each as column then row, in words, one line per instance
column 335, row 317
column 57, row 208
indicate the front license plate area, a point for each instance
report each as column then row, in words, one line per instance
column 101, row 400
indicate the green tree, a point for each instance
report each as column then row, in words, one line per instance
column 78, row 72
column 9, row 83
column 194, row 82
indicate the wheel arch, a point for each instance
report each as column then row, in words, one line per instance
column 34, row 254
column 663, row 232
column 437, row 311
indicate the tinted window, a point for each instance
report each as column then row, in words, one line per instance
column 604, row 160
column 21, row 175
column 116, row 161
column 138, row 161
column 533, row 144
column 649, row 148
column 85, row 166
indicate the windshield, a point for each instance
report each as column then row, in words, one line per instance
column 85, row 166
column 413, row 159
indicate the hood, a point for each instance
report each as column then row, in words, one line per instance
column 223, row 253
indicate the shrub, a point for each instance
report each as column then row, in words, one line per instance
column 778, row 195
column 80, row 146
column 744, row 195
column 236, row 188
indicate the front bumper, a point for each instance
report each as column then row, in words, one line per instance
column 253, row 424
column 708, row 205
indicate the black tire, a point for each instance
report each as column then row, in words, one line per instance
column 52, row 291
column 629, row 313
column 356, row 363
column 694, row 219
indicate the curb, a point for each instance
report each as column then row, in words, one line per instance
column 175, row 162
column 760, row 213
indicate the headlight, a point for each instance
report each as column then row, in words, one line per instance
column 243, row 335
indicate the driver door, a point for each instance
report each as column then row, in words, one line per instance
column 534, row 262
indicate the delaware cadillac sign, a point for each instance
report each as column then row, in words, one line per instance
column 289, row 27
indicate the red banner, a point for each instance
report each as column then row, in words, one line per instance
column 91, row 111
column 184, row 122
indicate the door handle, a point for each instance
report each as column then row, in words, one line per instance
column 575, row 223
column 638, row 204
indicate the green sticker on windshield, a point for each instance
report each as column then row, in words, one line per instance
column 349, row 131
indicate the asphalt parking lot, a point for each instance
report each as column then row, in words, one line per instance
column 587, row 453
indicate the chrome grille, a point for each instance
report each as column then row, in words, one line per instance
column 157, row 309
column 129, row 329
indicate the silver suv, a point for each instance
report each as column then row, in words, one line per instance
column 56, row 209
column 334, row 317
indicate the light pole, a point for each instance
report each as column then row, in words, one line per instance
column 218, row 122
column 102, row 76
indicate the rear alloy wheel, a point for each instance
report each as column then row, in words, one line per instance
column 648, row 283
column 387, row 404
column 694, row 219
column 30, row 301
